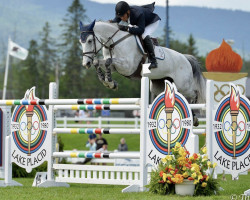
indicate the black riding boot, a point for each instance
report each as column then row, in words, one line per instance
column 151, row 54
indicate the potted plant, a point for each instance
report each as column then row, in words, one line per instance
column 183, row 174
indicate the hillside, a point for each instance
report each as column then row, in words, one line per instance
column 23, row 20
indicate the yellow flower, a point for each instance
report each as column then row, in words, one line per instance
column 181, row 161
column 207, row 178
column 194, row 175
column 200, row 177
column 168, row 181
column 209, row 164
column 171, row 172
column 204, row 159
column 204, row 150
column 195, row 167
column 214, row 165
column 182, row 151
column 170, row 167
column 164, row 177
column 169, row 175
column 204, row 184
column 185, row 175
column 168, row 157
column 164, row 160
column 178, row 178
column 196, row 181
column 184, row 168
column 177, row 145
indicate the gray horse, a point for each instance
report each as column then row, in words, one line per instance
column 121, row 54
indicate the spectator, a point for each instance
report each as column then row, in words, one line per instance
column 82, row 115
column 77, row 116
column 101, row 144
column 91, row 144
column 122, row 146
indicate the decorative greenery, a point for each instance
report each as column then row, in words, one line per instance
column 173, row 169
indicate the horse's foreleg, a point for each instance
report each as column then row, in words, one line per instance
column 100, row 73
column 108, row 78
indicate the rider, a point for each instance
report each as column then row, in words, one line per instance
column 144, row 23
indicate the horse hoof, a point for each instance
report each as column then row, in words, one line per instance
column 115, row 87
column 105, row 84
column 196, row 122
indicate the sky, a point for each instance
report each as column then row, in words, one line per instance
column 243, row 5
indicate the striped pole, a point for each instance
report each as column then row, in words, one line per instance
column 96, row 131
column 86, row 154
column 199, row 131
column 70, row 101
column 97, row 107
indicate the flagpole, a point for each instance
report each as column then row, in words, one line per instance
column 6, row 70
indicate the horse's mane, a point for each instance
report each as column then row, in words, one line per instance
column 109, row 23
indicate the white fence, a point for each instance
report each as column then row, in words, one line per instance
column 100, row 122
column 106, row 122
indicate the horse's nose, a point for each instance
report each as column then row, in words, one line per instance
column 88, row 65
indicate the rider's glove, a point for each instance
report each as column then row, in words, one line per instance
column 123, row 28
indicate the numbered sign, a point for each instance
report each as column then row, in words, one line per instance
column 29, row 126
column 231, row 133
column 169, row 121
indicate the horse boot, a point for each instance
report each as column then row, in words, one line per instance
column 151, row 54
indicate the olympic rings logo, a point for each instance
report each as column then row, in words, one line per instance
column 171, row 126
column 234, row 127
column 225, row 90
column 35, row 126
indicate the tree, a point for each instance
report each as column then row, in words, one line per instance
column 47, row 60
column 191, row 49
column 72, row 82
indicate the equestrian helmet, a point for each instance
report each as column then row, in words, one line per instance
column 121, row 8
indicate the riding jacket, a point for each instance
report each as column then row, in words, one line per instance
column 141, row 16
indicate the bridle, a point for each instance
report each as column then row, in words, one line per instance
column 110, row 47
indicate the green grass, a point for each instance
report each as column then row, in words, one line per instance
column 106, row 192
column 78, row 141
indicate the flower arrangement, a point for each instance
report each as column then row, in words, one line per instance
column 175, row 168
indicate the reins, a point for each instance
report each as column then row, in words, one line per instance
column 110, row 47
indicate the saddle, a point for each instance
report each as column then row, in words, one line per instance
column 159, row 53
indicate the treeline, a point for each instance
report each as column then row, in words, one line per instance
column 59, row 59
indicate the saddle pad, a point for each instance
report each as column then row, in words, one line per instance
column 159, row 53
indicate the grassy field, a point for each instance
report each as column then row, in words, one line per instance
column 106, row 192
column 78, row 141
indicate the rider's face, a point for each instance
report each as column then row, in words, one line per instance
column 125, row 16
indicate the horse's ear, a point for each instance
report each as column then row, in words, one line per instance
column 91, row 26
column 81, row 26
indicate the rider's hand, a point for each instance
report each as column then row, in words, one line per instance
column 123, row 28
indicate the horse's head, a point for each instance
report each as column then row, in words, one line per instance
column 88, row 42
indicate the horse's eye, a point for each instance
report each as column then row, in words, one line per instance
column 90, row 41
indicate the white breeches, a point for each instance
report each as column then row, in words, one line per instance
column 150, row 29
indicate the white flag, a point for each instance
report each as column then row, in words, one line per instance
column 17, row 51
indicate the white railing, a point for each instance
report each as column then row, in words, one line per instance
column 92, row 174
column 98, row 122
column 107, row 122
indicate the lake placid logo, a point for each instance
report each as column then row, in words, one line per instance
column 169, row 121
column 231, row 128
column 29, row 127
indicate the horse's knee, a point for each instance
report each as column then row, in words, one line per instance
column 108, row 62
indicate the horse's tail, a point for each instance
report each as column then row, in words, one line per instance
column 199, row 80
